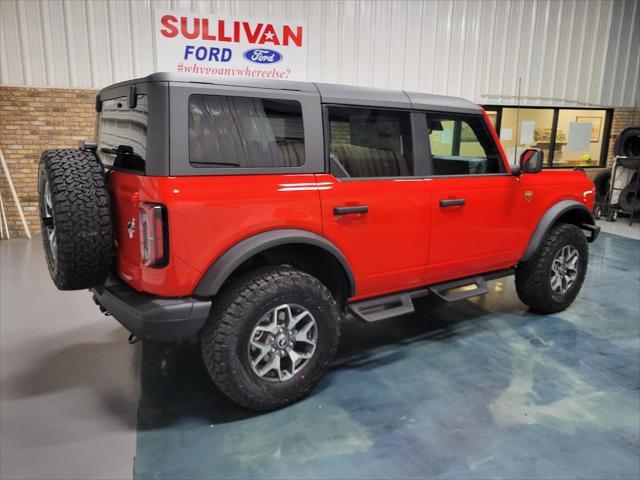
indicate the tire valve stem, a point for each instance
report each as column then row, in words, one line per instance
column 132, row 339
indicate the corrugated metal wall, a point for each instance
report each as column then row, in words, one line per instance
column 565, row 51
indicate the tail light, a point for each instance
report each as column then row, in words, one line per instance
column 154, row 236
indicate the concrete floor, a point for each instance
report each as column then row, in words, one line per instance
column 69, row 379
column 476, row 389
column 621, row 227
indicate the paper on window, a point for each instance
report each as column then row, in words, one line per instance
column 579, row 136
column 446, row 137
column 506, row 134
column 526, row 132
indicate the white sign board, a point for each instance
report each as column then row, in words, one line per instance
column 228, row 46
column 526, row 132
column 579, row 136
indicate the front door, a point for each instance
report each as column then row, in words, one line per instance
column 373, row 206
column 476, row 204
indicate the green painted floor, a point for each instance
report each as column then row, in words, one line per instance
column 477, row 389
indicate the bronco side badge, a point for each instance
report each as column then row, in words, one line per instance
column 528, row 195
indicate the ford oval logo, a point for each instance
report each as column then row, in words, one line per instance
column 262, row 55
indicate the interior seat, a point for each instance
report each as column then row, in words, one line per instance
column 291, row 152
column 370, row 162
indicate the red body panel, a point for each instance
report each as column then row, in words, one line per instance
column 387, row 247
column 206, row 216
column 404, row 241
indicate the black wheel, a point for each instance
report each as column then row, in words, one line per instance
column 272, row 335
column 550, row 281
column 597, row 212
column 630, row 199
column 74, row 216
column 628, row 143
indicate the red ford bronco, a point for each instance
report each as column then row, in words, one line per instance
column 256, row 214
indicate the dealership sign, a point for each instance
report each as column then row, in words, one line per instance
column 228, row 46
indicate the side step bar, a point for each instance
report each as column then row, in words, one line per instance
column 389, row 306
column 385, row 307
column 446, row 290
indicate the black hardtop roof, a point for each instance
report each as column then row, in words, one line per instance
column 329, row 93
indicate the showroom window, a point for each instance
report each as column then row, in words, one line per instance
column 226, row 131
column 461, row 146
column 577, row 137
column 366, row 142
column 523, row 128
column 582, row 135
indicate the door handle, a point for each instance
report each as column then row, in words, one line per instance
column 452, row 202
column 350, row 209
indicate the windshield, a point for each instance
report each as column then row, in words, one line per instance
column 122, row 137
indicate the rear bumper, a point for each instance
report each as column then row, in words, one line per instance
column 594, row 229
column 149, row 317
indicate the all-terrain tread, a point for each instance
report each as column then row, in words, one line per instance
column 81, row 217
column 532, row 276
column 219, row 338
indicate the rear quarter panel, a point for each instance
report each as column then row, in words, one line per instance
column 207, row 215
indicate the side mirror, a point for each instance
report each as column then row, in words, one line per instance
column 531, row 161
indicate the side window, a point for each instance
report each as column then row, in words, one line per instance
column 367, row 142
column 245, row 132
column 462, row 146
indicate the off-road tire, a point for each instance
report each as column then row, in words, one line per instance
column 236, row 311
column 630, row 199
column 533, row 276
column 80, row 216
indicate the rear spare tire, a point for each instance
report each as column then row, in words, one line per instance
column 74, row 216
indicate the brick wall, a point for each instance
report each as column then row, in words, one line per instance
column 32, row 120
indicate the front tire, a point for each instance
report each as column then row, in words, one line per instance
column 550, row 281
column 271, row 337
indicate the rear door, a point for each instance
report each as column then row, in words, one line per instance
column 374, row 206
column 476, row 205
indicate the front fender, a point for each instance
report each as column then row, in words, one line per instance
column 552, row 215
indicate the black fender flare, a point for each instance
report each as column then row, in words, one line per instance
column 551, row 216
column 224, row 266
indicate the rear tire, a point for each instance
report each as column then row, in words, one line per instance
column 537, row 278
column 75, row 220
column 240, row 330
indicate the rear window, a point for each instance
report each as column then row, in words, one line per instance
column 245, row 132
column 122, row 138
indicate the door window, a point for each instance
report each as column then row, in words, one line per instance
column 367, row 142
column 462, row 146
